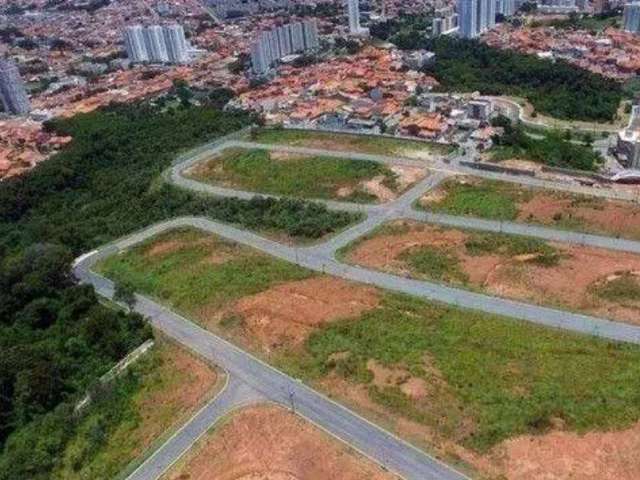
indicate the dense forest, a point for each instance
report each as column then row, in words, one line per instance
column 554, row 88
column 551, row 148
column 56, row 338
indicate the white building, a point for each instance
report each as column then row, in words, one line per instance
column 12, row 93
column 475, row 17
column 273, row 45
column 135, row 44
column 506, row 8
column 631, row 17
column 176, row 43
column 157, row 44
column 628, row 142
column 353, row 8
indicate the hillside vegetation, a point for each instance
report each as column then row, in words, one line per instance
column 56, row 339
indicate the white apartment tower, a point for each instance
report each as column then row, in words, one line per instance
column 12, row 93
column 353, row 8
column 273, row 45
column 311, row 37
column 476, row 17
column 176, row 44
column 506, row 7
column 631, row 18
column 468, row 18
column 156, row 44
column 135, row 44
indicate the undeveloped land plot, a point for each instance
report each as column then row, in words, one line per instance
column 510, row 201
column 376, row 145
column 290, row 174
column 455, row 381
column 593, row 280
column 171, row 385
column 270, row 443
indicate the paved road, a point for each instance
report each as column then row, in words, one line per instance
column 259, row 381
column 235, row 395
column 536, row 231
column 451, row 166
column 251, row 380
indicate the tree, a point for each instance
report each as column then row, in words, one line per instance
column 219, row 97
column 183, row 92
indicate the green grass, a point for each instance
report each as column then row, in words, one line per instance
column 297, row 176
column 486, row 199
column 186, row 280
column 488, row 378
column 498, row 200
column 435, row 264
column 508, row 377
column 625, row 288
column 512, row 245
column 124, row 421
column 348, row 142
column 594, row 24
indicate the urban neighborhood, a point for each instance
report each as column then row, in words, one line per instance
column 320, row 239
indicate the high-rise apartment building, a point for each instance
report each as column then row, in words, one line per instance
column 353, row 8
column 176, row 43
column 631, row 17
column 271, row 46
column 475, row 17
column 135, row 44
column 156, row 44
column 468, row 18
column 311, row 36
column 506, row 8
column 12, row 93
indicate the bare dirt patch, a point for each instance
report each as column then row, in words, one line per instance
column 270, row 443
column 376, row 187
column 383, row 250
column 563, row 455
column 607, row 216
column 567, row 284
column 286, row 314
column 407, row 175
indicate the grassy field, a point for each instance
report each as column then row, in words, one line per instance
column 187, row 275
column 486, row 199
column 506, row 201
column 624, row 290
column 293, row 175
column 160, row 392
column 502, row 377
column 343, row 141
column 486, row 378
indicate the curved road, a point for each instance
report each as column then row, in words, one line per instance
column 251, row 380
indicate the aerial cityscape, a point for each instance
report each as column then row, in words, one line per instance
column 320, row 239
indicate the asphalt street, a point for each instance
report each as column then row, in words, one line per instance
column 251, row 380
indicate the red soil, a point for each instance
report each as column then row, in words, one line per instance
column 564, row 456
column 568, row 284
column 286, row 314
column 270, row 443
